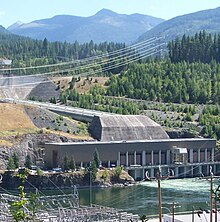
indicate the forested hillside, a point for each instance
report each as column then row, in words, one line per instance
column 191, row 74
column 168, row 82
column 187, row 24
column 202, row 47
column 21, row 48
column 181, row 79
column 26, row 52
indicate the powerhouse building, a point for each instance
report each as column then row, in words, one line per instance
column 141, row 146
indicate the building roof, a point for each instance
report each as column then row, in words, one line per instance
column 5, row 62
column 125, row 127
column 127, row 121
column 204, row 141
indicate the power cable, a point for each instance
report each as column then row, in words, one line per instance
column 83, row 74
column 144, row 53
column 90, row 58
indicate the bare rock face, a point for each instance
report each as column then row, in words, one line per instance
column 181, row 133
column 43, row 118
column 32, row 144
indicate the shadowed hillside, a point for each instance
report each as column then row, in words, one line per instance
column 187, row 24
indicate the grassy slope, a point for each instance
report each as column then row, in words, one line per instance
column 14, row 121
column 14, row 118
column 83, row 85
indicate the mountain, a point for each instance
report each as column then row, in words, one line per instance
column 3, row 30
column 188, row 24
column 15, row 25
column 104, row 26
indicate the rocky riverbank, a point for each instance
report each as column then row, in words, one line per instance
column 104, row 178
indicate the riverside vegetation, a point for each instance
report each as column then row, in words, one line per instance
column 70, row 175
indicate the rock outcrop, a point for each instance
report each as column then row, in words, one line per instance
column 32, row 144
column 65, row 180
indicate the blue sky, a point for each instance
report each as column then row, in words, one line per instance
column 28, row 10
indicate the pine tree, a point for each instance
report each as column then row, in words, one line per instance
column 16, row 160
column 11, row 165
column 93, row 170
column 96, row 158
column 72, row 164
column 28, row 162
column 65, row 163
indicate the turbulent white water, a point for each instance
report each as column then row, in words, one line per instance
column 183, row 185
column 186, row 193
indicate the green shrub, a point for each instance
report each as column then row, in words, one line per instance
column 105, row 175
column 39, row 172
column 118, row 171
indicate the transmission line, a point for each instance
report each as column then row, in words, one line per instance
column 145, row 53
column 132, row 47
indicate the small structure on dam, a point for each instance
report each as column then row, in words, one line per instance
column 5, row 63
column 141, row 146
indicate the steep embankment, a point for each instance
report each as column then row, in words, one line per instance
column 44, row 91
column 30, row 86
column 23, row 131
column 18, row 119
column 18, row 87
column 14, row 118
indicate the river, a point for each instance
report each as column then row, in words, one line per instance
column 143, row 198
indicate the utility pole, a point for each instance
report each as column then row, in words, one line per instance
column 159, row 196
column 211, row 192
column 193, row 214
column 216, row 217
column 173, row 211
column 90, row 186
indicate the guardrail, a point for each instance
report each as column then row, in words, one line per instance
column 79, row 112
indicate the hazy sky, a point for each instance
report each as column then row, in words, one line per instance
column 28, row 10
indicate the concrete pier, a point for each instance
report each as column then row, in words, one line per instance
column 180, row 171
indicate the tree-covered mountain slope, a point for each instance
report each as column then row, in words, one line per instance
column 187, row 24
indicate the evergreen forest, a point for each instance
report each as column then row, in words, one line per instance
column 202, row 47
column 26, row 52
column 188, row 76
column 169, row 80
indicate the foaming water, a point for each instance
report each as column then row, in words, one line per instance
column 182, row 185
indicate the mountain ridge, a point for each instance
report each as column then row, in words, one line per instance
column 3, row 30
column 105, row 25
column 190, row 24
